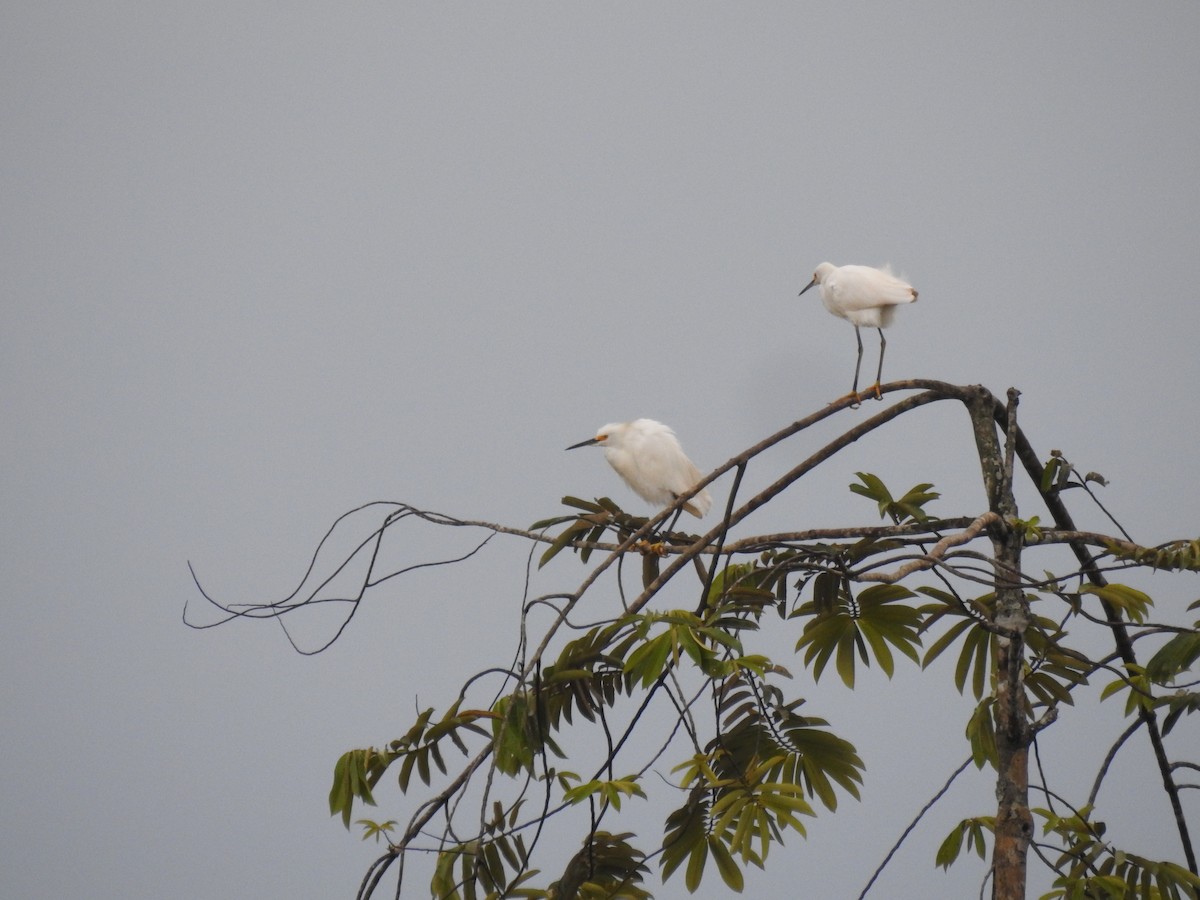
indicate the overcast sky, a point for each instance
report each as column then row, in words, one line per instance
column 262, row 263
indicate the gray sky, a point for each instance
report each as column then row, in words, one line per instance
column 264, row 263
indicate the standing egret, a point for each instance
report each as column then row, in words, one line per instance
column 862, row 295
column 647, row 455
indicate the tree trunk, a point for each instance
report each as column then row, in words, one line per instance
column 1014, row 824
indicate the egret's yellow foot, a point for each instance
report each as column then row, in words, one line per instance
column 658, row 548
column 855, row 396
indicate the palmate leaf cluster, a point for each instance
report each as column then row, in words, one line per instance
column 750, row 768
column 864, row 628
column 753, row 781
column 1089, row 867
column 1173, row 556
column 358, row 771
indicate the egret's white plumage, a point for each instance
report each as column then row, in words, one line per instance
column 862, row 295
column 647, row 455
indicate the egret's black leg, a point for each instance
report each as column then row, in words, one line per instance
column 879, row 372
column 854, row 395
column 857, row 365
column 674, row 521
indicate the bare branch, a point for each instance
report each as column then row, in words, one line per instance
column 913, row 824
column 1110, row 756
column 936, row 552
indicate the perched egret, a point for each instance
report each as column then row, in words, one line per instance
column 862, row 295
column 647, row 455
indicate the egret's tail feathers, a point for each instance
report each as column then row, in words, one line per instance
column 699, row 505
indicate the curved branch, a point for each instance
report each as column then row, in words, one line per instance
column 785, row 481
column 1110, row 756
column 936, row 552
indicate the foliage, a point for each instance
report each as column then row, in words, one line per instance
column 1090, row 867
column 765, row 765
column 862, row 627
column 1172, row 556
column 757, row 777
column 748, row 763
column 973, row 833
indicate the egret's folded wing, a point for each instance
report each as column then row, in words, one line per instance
column 857, row 288
column 698, row 506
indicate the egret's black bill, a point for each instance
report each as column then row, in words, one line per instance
column 810, row 284
column 584, row 443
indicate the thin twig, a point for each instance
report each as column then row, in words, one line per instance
column 1110, row 756
column 913, row 824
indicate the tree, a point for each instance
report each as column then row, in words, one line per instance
column 918, row 587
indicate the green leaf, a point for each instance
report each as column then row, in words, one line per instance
column 845, row 655
column 1113, row 687
column 444, row 883
column 873, row 489
column 573, row 531
column 649, row 661
column 981, row 731
column 1178, row 704
column 879, row 647
column 695, row 868
column 826, row 587
column 514, row 751
column 873, row 619
column 339, row 794
column 1174, row 555
column 1137, row 686
column 376, row 829
column 1122, row 598
column 611, row 791
column 973, row 660
column 350, row 782
column 730, row 873
column 948, row 852
column 591, row 506
column 941, row 644
column 973, row 831
column 422, row 756
column 1175, row 656
column 908, row 507
column 686, row 828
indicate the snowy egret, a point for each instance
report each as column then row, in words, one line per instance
column 862, row 295
column 647, row 455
